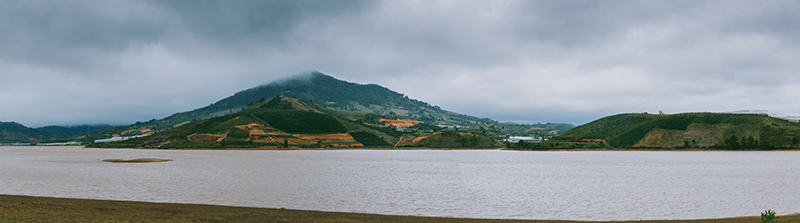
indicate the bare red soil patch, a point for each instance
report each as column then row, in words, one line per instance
column 400, row 123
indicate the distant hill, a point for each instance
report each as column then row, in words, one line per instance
column 65, row 131
column 345, row 100
column 12, row 132
column 694, row 130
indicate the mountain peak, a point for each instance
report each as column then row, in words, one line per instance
column 299, row 79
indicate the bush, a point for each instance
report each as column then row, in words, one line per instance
column 768, row 216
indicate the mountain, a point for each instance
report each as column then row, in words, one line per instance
column 365, row 102
column 695, row 130
column 278, row 122
column 352, row 98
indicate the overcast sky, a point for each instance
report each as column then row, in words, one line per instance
column 122, row 61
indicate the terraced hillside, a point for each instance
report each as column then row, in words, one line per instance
column 277, row 122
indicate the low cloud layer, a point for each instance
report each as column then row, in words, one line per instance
column 123, row 61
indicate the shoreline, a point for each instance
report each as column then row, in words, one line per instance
column 21, row 208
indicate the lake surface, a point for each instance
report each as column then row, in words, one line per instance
column 573, row 185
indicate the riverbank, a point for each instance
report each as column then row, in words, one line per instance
column 42, row 209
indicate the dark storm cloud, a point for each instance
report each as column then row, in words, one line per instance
column 563, row 61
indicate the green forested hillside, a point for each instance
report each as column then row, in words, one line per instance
column 608, row 126
column 694, row 130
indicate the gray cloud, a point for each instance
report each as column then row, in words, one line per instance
column 252, row 22
column 561, row 61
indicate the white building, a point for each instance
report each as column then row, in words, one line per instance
column 516, row 139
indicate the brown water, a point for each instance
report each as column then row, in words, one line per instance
column 581, row 185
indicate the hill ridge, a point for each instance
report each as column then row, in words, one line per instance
column 691, row 130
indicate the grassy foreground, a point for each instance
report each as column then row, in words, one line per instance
column 42, row 209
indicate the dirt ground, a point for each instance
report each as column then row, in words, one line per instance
column 41, row 209
column 399, row 123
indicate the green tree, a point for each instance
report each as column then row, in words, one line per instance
column 732, row 142
column 521, row 144
column 749, row 143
